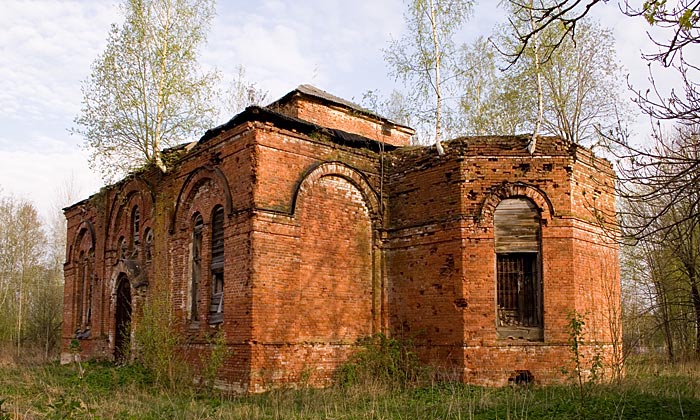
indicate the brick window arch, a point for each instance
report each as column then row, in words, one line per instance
column 216, row 305
column 517, row 238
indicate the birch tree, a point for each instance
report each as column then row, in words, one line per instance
column 572, row 92
column 422, row 59
column 147, row 91
column 22, row 243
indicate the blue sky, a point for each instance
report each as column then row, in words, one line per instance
column 47, row 47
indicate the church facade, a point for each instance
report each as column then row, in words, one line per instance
column 295, row 229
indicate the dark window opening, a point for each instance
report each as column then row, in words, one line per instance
column 148, row 245
column 135, row 229
column 216, row 306
column 518, row 291
column 196, row 267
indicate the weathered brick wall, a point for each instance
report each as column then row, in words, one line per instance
column 313, row 256
column 449, row 242
column 327, row 241
column 339, row 117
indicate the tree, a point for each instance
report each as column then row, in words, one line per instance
column 575, row 89
column 659, row 214
column 679, row 25
column 240, row 94
column 22, row 244
column 421, row 59
column 147, row 91
column 396, row 107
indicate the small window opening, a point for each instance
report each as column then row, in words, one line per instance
column 521, row 377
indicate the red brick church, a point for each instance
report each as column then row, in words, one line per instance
column 297, row 228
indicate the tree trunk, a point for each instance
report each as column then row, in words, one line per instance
column 438, row 92
column 540, row 106
column 695, row 293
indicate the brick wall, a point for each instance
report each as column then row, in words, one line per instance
column 328, row 241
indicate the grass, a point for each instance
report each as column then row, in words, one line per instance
column 649, row 391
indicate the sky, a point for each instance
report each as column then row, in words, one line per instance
column 47, row 48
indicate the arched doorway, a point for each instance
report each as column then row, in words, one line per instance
column 122, row 331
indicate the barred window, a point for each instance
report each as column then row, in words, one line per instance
column 518, row 275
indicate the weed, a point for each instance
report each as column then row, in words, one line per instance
column 218, row 353
column 4, row 415
column 585, row 375
column 75, row 351
column 382, row 360
column 158, row 340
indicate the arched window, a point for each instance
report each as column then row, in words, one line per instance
column 196, row 275
column 216, row 305
column 517, row 236
column 135, row 229
column 148, row 244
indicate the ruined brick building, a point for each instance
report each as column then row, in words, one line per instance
column 299, row 227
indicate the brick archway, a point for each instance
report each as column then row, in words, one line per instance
column 339, row 169
column 193, row 181
column 136, row 192
column 512, row 190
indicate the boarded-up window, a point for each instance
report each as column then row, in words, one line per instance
column 196, row 275
column 216, row 305
column 83, row 292
column 518, row 279
column 80, row 290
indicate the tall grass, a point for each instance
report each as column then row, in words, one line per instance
column 650, row 390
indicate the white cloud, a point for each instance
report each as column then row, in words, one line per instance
column 37, row 176
column 47, row 47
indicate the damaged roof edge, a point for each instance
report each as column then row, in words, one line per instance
column 322, row 95
column 264, row 114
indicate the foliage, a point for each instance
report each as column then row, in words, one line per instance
column 215, row 359
column 158, row 340
column 422, row 60
column 651, row 390
column 147, row 91
column 580, row 83
column 661, row 263
column 584, row 374
column 384, row 361
column 31, row 289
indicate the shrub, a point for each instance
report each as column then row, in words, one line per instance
column 382, row 360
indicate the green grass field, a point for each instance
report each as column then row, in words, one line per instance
column 649, row 391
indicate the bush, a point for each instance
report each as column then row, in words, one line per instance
column 382, row 360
